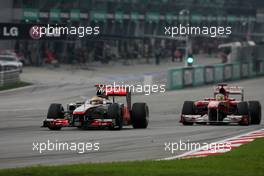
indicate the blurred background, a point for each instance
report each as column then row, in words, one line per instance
column 132, row 49
column 133, row 30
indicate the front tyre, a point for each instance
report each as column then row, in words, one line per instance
column 254, row 108
column 114, row 112
column 56, row 111
column 242, row 110
column 140, row 115
column 188, row 109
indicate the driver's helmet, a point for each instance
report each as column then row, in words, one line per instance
column 219, row 97
column 96, row 100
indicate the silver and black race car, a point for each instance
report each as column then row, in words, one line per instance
column 99, row 112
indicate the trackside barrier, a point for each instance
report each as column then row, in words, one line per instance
column 236, row 71
column 209, row 74
column 252, row 69
column 187, row 76
column 260, row 68
column 9, row 77
column 218, row 73
column 175, row 78
column 228, row 71
column 181, row 77
column 198, row 75
column 244, row 71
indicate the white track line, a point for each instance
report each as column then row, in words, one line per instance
column 235, row 141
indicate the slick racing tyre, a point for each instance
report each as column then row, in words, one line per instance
column 212, row 116
column 55, row 111
column 188, row 109
column 254, row 108
column 114, row 112
column 54, row 128
column 140, row 115
column 242, row 109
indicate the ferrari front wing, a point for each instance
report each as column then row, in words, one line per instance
column 205, row 119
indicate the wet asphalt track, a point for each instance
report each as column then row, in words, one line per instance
column 22, row 112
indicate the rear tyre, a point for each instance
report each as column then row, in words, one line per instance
column 55, row 111
column 140, row 115
column 254, row 108
column 201, row 123
column 54, row 128
column 114, row 112
column 188, row 109
column 242, row 109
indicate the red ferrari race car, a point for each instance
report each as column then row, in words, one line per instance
column 222, row 109
column 99, row 112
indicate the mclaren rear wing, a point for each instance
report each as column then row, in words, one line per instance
column 113, row 91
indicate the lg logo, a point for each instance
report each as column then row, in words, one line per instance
column 10, row 31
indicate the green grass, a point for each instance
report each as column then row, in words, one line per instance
column 247, row 160
column 15, row 85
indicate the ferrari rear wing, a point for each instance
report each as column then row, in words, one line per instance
column 233, row 90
